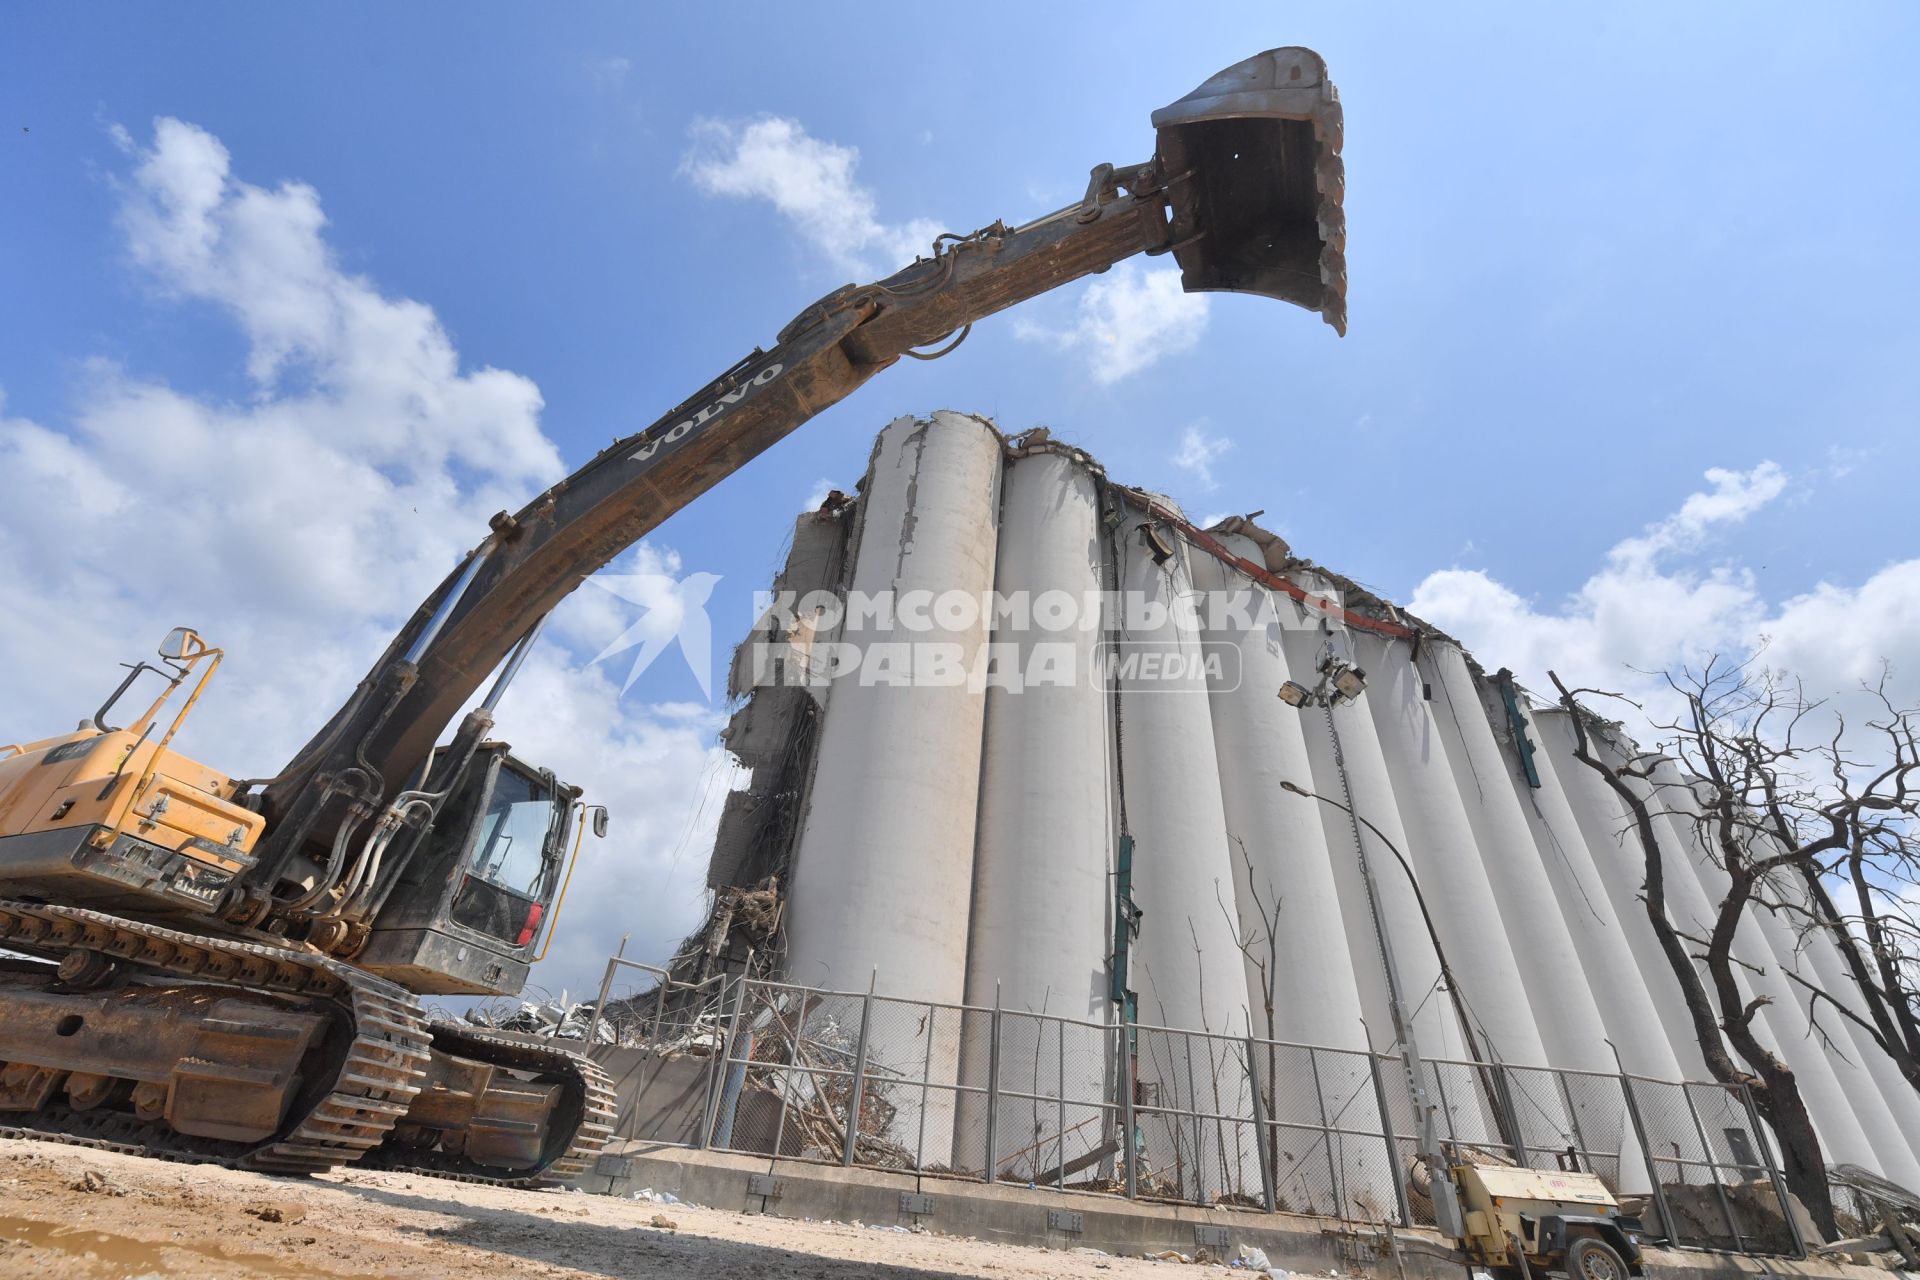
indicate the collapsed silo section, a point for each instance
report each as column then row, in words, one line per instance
column 1041, row 894
column 1312, row 1070
column 884, row 868
column 776, row 675
column 1184, row 963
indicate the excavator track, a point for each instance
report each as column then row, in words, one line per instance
column 587, row 1099
column 375, row 1082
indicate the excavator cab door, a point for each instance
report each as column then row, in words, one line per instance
column 504, row 885
column 464, row 917
column 1251, row 163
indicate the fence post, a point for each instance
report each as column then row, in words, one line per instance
column 993, row 1087
column 926, row 1084
column 1773, row 1174
column 1503, row 1094
column 1334, row 1179
column 1199, row 1131
column 1667, row 1227
column 1128, row 1145
column 786, row 1073
column 1060, row 1144
column 600, row 1001
column 858, row 1087
column 717, row 1080
column 1582, row 1155
column 1394, row 1171
column 1713, row 1169
column 1260, row 1129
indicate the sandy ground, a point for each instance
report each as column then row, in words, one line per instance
column 76, row 1214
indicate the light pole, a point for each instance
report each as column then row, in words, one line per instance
column 1446, row 1202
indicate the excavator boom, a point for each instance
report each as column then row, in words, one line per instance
column 1244, row 190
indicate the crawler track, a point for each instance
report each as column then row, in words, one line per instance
column 587, row 1105
column 373, row 1085
column 375, row 1081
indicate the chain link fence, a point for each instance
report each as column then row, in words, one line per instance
column 1716, row 1182
column 1189, row 1117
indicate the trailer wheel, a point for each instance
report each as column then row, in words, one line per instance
column 1591, row 1258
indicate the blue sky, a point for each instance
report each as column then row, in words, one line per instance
column 1595, row 252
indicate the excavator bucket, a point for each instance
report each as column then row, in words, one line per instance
column 1252, row 167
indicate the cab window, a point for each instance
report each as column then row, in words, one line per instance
column 505, row 880
column 513, row 834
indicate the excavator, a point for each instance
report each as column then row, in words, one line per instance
column 229, row 970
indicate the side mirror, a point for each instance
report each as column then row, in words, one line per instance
column 181, row 643
column 599, row 812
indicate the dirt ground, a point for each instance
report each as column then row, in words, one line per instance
column 72, row 1213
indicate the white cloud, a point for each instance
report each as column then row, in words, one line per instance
column 818, row 494
column 1735, row 495
column 1128, row 319
column 1845, row 632
column 811, row 182
column 1197, row 453
column 1652, row 605
column 382, row 376
column 299, row 527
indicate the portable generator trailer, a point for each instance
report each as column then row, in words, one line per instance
column 1519, row 1221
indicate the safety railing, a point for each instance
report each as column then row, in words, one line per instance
column 645, row 1004
column 858, row 1078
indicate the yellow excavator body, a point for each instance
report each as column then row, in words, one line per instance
column 114, row 782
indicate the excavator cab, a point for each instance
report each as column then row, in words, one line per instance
column 1251, row 162
column 466, row 913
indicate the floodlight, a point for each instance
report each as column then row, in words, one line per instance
column 1157, row 545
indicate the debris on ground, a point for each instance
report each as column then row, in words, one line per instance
column 75, row 1213
column 93, row 1184
column 282, row 1211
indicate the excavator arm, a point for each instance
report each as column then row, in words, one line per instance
column 1244, row 190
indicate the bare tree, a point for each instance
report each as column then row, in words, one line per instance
column 1852, row 827
column 1810, row 816
column 1262, row 950
column 1722, row 1017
